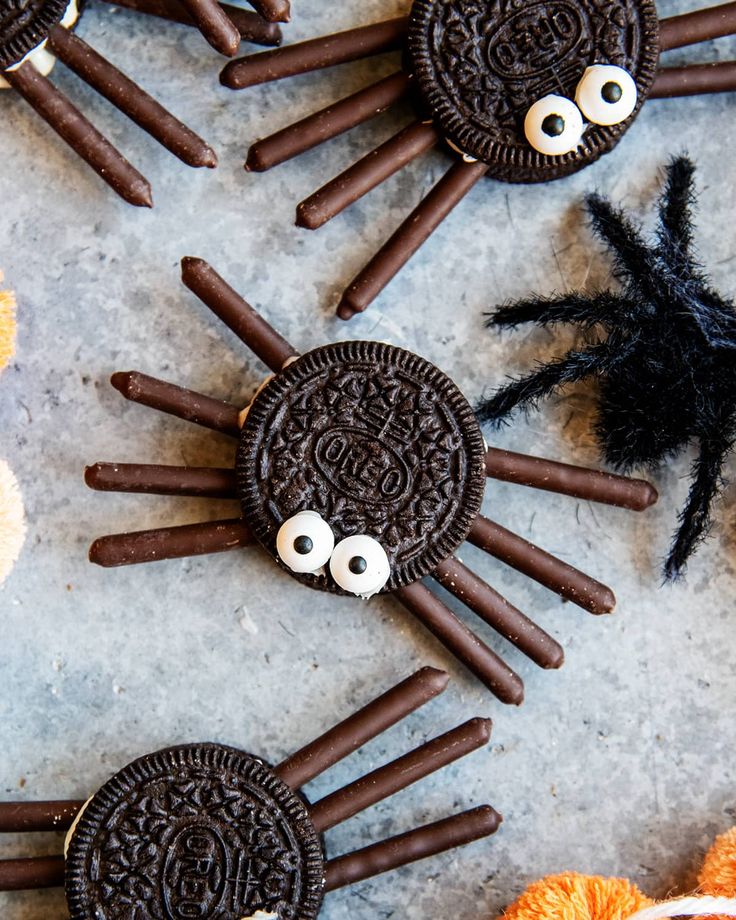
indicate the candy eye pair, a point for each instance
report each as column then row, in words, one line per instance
column 359, row 564
column 606, row 95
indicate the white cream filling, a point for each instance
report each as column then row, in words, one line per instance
column 42, row 59
column 72, row 829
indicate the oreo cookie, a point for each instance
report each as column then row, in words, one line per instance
column 480, row 67
column 378, row 442
column 195, row 831
column 24, row 24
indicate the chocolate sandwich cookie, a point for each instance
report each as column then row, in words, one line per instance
column 222, row 835
column 208, row 831
column 482, row 70
column 24, row 24
column 375, row 439
column 361, row 469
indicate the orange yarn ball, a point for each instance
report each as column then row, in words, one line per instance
column 571, row 896
column 718, row 875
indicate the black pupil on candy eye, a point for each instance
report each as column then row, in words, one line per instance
column 553, row 125
column 357, row 565
column 611, row 92
column 303, row 546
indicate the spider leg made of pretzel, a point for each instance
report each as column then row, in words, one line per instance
column 305, row 765
column 707, row 482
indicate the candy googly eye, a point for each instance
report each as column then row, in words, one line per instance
column 606, row 95
column 360, row 565
column 305, row 542
column 554, row 125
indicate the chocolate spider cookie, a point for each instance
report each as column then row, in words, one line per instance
column 359, row 460
column 536, row 90
column 195, row 831
column 24, row 24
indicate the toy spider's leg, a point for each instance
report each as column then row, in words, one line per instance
column 548, row 570
column 694, row 80
column 568, row 308
column 252, row 28
column 272, row 10
column 675, row 213
column 495, row 610
column 315, row 54
column 695, row 517
column 84, row 139
column 577, row 365
column 213, row 23
column 487, row 666
column 378, row 785
column 170, row 543
column 250, row 327
column 130, row 99
column 416, row 229
column 408, row 848
column 566, row 479
column 153, row 479
column 174, row 400
column 326, row 124
column 36, row 872
column 29, row 817
column 355, row 731
column 698, row 26
column 366, row 174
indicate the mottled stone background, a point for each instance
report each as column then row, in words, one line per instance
column 620, row 763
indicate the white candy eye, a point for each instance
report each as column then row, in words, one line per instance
column 360, row 565
column 554, row 125
column 305, row 542
column 606, row 95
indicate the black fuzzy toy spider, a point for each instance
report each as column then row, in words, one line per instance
column 666, row 367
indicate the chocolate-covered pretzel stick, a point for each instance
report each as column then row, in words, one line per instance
column 399, row 774
column 22, row 817
column 315, row 54
column 178, row 401
column 543, row 567
column 252, row 28
column 272, row 10
column 416, row 229
column 249, row 326
column 369, row 722
column 490, row 606
column 366, row 174
column 200, row 482
column 84, row 139
column 408, row 848
column 170, row 543
column 213, row 23
column 464, row 645
column 694, row 80
column 37, row 872
column 330, row 122
column 577, row 481
column 130, row 98
column 698, row 26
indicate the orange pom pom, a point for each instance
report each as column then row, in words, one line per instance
column 578, row 897
column 718, row 875
column 7, row 327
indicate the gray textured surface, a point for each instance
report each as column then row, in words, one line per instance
column 620, row 763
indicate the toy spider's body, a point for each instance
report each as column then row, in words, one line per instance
column 666, row 366
column 34, row 33
column 522, row 92
column 360, row 469
column 205, row 830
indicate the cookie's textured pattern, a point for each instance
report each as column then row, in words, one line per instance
column 375, row 439
column 24, row 24
column 481, row 65
column 194, row 831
